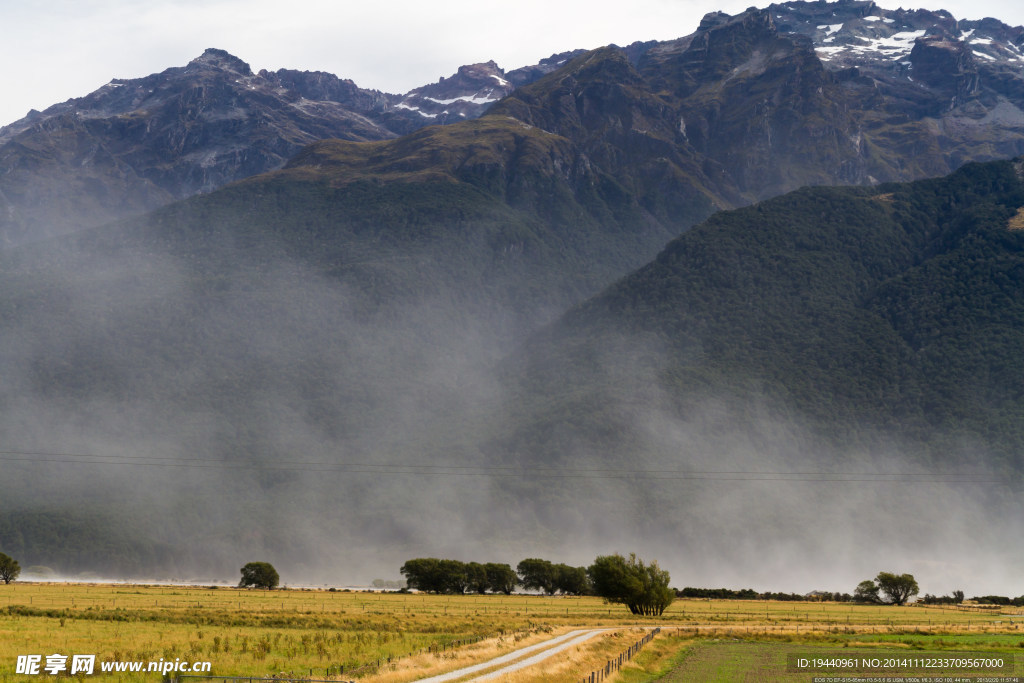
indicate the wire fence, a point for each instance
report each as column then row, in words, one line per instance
column 613, row 665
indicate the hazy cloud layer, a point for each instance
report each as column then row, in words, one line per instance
column 280, row 424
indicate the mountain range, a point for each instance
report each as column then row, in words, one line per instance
column 137, row 144
column 277, row 308
column 753, row 105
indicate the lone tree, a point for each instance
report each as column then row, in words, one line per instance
column 9, row 568
column 259, row 575
column 642, row 588
column 897, row 589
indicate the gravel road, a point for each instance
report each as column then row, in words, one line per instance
column 553, row 645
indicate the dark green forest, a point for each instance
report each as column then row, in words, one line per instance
column 895, row 310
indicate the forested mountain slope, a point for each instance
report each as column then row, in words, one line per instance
column 893, row 312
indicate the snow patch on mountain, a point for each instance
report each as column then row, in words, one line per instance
column 895, row 47
column 472, row 99
column 826, row 53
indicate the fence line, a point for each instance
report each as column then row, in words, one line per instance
column 613, row 665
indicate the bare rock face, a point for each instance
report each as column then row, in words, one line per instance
column 845, row 92
column 137, row 144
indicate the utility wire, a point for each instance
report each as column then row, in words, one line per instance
column 497, row 471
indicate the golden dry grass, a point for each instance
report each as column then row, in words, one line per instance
column 1017, row 221
column 260, row 633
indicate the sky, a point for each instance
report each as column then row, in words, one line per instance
column 59, row 49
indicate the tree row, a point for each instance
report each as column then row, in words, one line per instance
column 643, row 588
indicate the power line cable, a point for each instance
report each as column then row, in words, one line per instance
column 496, row 471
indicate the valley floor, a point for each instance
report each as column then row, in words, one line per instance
column 395, row 638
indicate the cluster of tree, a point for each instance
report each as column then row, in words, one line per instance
column 887, row 588
column 999, row 600
column 718, row 593
column 955, row 599
column 542, row 575
column 825, row 596
column 751, row 594
column 259, row 575
column 434, row 575
column 9, row 568
column 789, row 597
column 642, row 588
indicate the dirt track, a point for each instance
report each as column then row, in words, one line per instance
column 548, row 648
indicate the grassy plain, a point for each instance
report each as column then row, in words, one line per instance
column 392, row 637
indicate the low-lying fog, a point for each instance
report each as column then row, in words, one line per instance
column 157, row 424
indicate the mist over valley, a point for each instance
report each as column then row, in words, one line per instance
column 596, row 313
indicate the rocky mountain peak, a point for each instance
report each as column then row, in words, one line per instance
column 482, row 70
column 529, row 74
column 723, row 47
column 855, row 33
column 147, row 141
column 946, row 64
column 926, row 60
column 212, row 58
column 726, row 38
column 466, row 94
column 713, row 19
